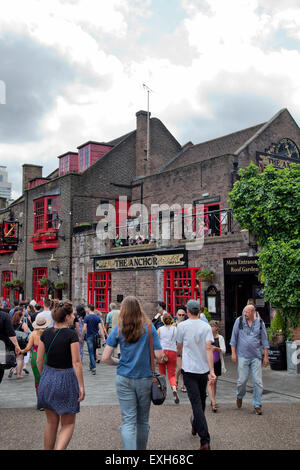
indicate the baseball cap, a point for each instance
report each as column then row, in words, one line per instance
column 193, row 306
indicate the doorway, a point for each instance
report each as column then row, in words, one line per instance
column 238, row 289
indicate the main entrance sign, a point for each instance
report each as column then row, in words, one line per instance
column 245, row 265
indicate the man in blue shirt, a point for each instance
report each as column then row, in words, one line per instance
column 92, row 326
column 248, row 338
column 108, row 320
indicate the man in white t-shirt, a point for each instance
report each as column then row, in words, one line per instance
column 46, row 312
column 194, row 338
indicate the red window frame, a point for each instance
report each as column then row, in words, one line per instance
column 6, row 277
column 99, row 290
column 180, row 285
column 39, row 292
column 44, row 210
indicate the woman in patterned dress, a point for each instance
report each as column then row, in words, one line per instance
column 39, row 327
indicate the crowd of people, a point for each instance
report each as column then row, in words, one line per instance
column 188, row 349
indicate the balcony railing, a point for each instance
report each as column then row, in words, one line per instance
column 218, row 223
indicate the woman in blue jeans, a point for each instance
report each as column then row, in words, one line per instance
column 134, row 373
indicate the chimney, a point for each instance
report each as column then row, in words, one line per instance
column 142, row 164
column 3, row 204
column 30, row 172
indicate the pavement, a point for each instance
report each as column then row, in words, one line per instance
column 98, row 423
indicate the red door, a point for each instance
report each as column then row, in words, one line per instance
column 99, row 290
column 6, row 277
column 39, row 292
column 180, row 286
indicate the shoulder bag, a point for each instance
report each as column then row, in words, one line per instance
column 159, row 385
column 22, row 337
column 46, row 354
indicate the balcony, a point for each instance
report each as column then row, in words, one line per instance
column 216, row 226
column 44, row 240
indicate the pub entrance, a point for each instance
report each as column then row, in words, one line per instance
column 241, row 284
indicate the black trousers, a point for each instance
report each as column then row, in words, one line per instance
column 1, row 374
column 196, row 385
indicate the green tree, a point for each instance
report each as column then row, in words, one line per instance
column 268, row 205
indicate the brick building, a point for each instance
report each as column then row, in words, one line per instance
column 58, row 219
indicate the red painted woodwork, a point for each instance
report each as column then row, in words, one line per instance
column 45, row 236
column 39, row 292
column 6, row 277
column 99, row 290
column 180, row 285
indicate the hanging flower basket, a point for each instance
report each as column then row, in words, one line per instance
column 43, row 282
column 205, row 275
column 7, row 284
column 60, row 285
column 17, row 283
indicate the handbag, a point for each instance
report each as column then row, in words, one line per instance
column 159, row 384
column 7, row 355
column 22, row 338
column 97, row 341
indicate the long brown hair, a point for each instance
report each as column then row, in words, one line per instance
column 132, row 319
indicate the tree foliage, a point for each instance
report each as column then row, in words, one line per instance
column 268, row 205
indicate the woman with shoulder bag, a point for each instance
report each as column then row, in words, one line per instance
column 19, row 326
column 219, row 349
column 61, row 387
column 167, row 336
column 134, row 372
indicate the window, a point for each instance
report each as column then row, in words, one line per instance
column 84, row 158
column 39, row 292
column 45, row 210
column 6, row 277
column 81, row 158
column 212, row 219
column 64, row 165
column 180, row 286
column 99, row 290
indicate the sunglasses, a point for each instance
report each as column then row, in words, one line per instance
column 181, row 315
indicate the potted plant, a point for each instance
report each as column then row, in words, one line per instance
column 205, row 275
column 276, row 338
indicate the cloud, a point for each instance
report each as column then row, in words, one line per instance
column 34, row 75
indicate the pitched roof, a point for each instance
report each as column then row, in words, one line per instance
column 227, row 144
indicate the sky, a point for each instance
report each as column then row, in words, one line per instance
column 73, row 71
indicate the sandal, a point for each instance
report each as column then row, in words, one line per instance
column 214, row 407
column 183, row 389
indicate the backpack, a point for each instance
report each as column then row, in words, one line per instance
column 157, row 322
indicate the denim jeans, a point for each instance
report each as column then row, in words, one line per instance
column 135, row 400
column 92, row 352
column 196, row 388
column 244, row 368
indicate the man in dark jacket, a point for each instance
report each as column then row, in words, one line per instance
column 8, row 342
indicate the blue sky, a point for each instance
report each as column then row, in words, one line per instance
column 74, row 70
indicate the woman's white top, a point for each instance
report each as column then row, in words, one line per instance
column 167, row 337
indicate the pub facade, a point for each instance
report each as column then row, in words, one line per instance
column 153, row 264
